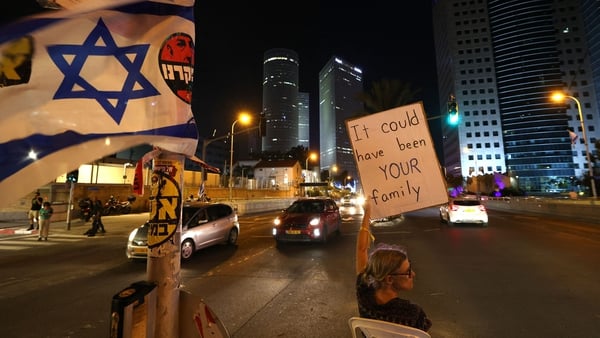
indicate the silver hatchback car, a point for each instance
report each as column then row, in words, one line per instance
column 203, row 225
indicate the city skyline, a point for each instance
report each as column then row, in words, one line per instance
column 381, row 41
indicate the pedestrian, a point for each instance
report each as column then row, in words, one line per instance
column 45, row 215
column 381, row 275
column 97, row 214
column 34, row 211
column 97, row 224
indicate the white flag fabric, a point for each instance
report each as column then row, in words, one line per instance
column 83, row 83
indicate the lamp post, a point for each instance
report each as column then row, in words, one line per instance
column 125, row 165
column 311, row 156
column 334, row 169
column 205, row 144
column 560, row 97
column 245, row 119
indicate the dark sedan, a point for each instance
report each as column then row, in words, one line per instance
column 308, row 220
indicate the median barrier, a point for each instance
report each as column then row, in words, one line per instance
column 580, row 209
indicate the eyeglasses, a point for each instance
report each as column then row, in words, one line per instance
column 407, row 273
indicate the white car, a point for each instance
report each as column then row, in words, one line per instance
column 351, row 209
column 203, row 225
column 464, row 210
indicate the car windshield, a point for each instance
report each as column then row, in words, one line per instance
column 306, row 207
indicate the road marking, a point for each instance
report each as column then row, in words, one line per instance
column 15, row 244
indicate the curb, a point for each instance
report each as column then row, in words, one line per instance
column 13, row 231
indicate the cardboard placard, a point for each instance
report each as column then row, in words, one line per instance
column 396, row 160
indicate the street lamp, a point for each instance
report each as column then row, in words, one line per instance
column 334, row 169
column 560, row 97
column 311, row 156
column 125, row 165
column 244, row 118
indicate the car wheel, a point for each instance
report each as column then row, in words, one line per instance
column 450, row 224
column 484, row 224
column 233, row 236
column 187, row 249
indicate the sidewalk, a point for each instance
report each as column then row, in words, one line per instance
column 19, row 227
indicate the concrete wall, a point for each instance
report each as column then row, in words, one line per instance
column 585, row 209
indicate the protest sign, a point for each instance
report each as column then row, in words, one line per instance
column 396, row 160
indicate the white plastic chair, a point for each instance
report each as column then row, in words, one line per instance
column 372, row 328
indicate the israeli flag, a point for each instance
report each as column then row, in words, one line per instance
column 82, row 83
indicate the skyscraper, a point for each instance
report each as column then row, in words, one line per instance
column 502, row 60
column 304, row 120
column 339, row 84
column 280, row 100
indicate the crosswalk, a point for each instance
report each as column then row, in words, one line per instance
column 22, row 242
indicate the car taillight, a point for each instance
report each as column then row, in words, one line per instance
column 481, row 208
column 454, row 207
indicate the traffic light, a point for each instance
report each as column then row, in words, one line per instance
column 72, row 176
column 453, row 116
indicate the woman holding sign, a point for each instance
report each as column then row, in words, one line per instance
column 381, row 276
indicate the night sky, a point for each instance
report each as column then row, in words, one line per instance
column 386, row 39
column 382, row 40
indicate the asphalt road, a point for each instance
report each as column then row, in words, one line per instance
column 523, row 276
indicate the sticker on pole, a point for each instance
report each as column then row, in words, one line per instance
column 165, row 203
column 396, row 160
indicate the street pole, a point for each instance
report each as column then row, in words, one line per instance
column 244, row 118
column 231, row 162
column 587, row 148
column 69, row 206
column 205, row 144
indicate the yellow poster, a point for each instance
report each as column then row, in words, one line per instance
column 165, row 201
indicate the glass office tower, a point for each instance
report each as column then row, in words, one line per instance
column 280, row 100
column 339, row 84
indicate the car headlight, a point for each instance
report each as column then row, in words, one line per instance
column 277, row 221
column 315, row 221
column 132, row 235
column 360, row 200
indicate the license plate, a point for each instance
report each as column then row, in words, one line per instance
column 140, row 250
column 292, row 232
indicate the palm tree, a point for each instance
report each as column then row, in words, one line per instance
column 387, row 94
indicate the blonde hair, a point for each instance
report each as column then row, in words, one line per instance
column 383, row 260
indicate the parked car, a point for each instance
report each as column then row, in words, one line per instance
column 311, row 219
column 464, row 210
column 203, row 225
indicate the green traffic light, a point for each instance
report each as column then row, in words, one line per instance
column 453, row 113
column 453, row 118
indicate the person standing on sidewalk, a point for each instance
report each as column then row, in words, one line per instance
column 45, row 214
column 97, row 210
column 34, row 211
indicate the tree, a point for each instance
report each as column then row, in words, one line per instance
column 299, row 153
column 386, row 94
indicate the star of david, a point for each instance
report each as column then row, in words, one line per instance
column 101, row 43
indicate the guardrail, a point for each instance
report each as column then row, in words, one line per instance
column 580, row 209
